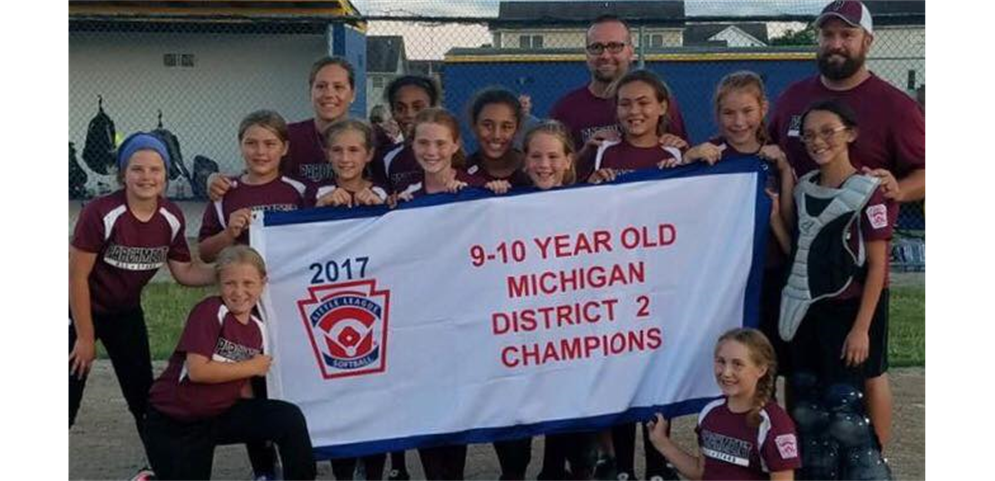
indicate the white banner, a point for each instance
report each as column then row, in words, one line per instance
column 472, row 318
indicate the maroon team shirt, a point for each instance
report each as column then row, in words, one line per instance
column 892, row 126
column 584, row 114
column 398, row 167
column 417, row 189
column 216, row 334
column 306, row 158
column 518, row 178
column 734, row 450
column 129, row 251
column 623, row 157
column 279, row 195
column 328, row 187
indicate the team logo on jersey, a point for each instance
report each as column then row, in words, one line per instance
column 787, row 445
column 347, row 326
column 878, row 215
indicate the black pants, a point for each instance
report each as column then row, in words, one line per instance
column 770, row 315
column 514, row 456
column 344, row 468
column 185, row 450
column 443, row 462
column 126, row 339
column 262, row 454
column 624, row 439
column 397, row 462
column 579, row 449
column 817, row 345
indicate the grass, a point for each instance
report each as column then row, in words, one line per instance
column 907, row 328
column 167, row 305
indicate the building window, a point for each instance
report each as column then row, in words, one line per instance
column 653, row 40
column 179, row 59
column 530, row 41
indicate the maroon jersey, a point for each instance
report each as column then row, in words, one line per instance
column 892, row 126
column 279, row 195
column 518, row 178
column 400, row 167
column 624, row 157
column 584, row 114
column 734, row 450
column 417, row 189
column 306, row 158
column 329, row 187
column 129, row 251
column 216, row 334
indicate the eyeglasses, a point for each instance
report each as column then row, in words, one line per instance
column 599, row 48
column 825, row 134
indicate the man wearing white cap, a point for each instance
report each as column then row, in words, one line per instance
column 891, row 145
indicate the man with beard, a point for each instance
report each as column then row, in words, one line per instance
column 891, row 143
column 589, row 111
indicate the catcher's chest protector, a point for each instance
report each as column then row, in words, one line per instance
column 823, row 264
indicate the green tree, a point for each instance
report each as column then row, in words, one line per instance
column 795, row 37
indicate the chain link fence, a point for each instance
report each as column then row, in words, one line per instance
column 196, row 71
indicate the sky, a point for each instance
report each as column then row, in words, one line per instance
column 489, row 8
column 432, row 41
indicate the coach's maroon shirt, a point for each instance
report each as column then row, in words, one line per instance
column 475, row 163
column 279, row 195
column 623, row 157
column 306, row 158
column 734, row 450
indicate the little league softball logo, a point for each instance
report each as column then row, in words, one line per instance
column 347, row 326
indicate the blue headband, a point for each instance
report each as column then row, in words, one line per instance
column 140, row 141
